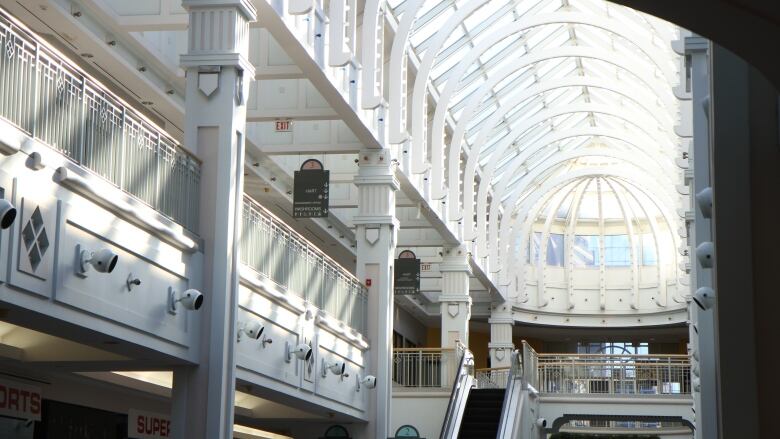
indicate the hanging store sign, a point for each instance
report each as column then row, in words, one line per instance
column 146, row 425
column 20, row 400
column 311, row 191
column 406, row 274
column 283, row 126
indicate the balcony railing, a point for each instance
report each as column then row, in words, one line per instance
column 425, row 368
column 276, row 251
column 614, row 374
column 492, row 378
column 53, row 100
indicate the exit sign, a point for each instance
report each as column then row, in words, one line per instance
column 283, row 126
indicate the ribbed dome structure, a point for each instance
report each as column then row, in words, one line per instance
column 600, row 244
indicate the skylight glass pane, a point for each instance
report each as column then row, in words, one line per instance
column 617, row 251
column 585, row 251
column 649, row 255
column 555, row 250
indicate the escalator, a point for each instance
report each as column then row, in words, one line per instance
column 482, row 415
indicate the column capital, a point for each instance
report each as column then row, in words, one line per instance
column 376, row 168
column 246, row 7
column 696, row 44
column 376, row 185
column 220, row 39
column 501, row 320
column 455, row 259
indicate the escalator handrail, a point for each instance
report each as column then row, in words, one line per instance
column 449, row 415
column 515, row 374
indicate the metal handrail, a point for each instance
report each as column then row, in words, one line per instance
column 551, row 355
column 492, row 378
column 508, row 409
column 423, row 350
column 614, row 374
column 424, row 368
column 279, row 253
column 460, row 391
column 53, row 100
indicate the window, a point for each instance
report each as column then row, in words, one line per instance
column 555, row 250
column 649, row 255
column 586, row 251
column 617, row 251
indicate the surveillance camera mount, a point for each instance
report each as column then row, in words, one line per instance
column 172, row 301
column 287, row 352
column 132, row 281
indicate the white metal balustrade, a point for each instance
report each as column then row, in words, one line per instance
column 614, row 374
column 276, row 251
column 425, row 368
column 492, row 378
column 53, row 100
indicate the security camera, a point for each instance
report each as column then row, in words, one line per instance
column 190, row 299
column 7, row 214
column 338, row 367
column 704, row 297
column 369, row 381
column 252, row 329
column 705, row 252
column 301, row 352
column 541, row 422
column 103, row 261
column 704, row 199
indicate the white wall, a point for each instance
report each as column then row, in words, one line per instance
column 423, row 410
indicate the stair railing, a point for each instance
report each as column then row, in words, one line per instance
column 512, row 397
column 464, row 380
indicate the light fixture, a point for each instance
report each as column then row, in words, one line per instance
column 369, row 381
column 301, row 351
column 190, row 299
column 103, row 261
column 338, row 367
column 7, row 213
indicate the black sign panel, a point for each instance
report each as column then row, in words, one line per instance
column 310, row 195
column 406, row 276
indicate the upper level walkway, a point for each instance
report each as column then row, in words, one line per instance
column 564, row 388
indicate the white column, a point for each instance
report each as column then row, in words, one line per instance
column 702, row 328
column 377, row 227
column 455, row 299
column 218, row 74
column 500, row 344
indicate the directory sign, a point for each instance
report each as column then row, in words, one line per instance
column 406, row 274
column 310, row 194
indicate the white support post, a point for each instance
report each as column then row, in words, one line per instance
column 455, row 299
column 501, row 345
column 218, row 74
column 702, row 329
column 377, row 228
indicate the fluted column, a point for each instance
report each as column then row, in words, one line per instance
column 455, row 299
column 501, row 345
column 217, row 80
column 376, row 232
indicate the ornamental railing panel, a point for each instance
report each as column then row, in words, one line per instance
column 280, row 254
column 614, row 374
column 49, row 97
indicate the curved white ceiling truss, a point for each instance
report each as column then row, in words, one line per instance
column 534, row 101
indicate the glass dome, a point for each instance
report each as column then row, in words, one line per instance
column 600, row 222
